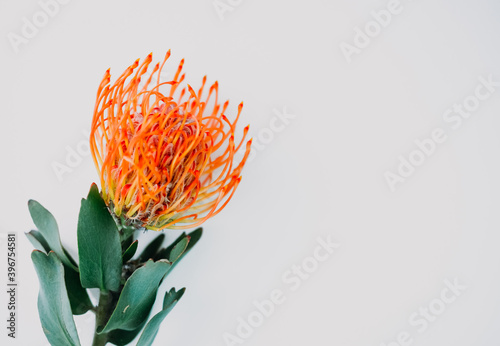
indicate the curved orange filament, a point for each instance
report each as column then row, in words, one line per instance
column 164, row 161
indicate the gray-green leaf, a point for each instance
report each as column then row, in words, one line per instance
column 53, row 303
column 151, row 329
column 78, row 296
column 137, row 297
column 179, row 249
column 168, row 253
column 38, row 241
column 47, row 226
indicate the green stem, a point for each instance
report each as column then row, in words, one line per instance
column 104, row 310
column 99, row 340
column 126, row 236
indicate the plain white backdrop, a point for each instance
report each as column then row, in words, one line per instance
column 321, row 173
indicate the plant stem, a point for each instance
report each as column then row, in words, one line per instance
column 126, row 236
column 104, row 310
column 99, row 340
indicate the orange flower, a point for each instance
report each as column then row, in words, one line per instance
column 164, row 160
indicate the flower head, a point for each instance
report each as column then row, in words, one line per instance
column 165, row 158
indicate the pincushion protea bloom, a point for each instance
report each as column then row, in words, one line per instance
column 165, row 159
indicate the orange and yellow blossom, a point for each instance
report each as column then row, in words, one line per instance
column 164, row 160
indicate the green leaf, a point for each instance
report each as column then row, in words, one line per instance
column 149, row 333
column 172, row 296
column 78, row 296
column 70, row 259
column 38, row 241
column 99, row 245
column 194, row 238
column 152, row 249
column 137, row 297
column 179, row 249
column 130, row 252
column 122, row 337
column 165, row 252
column 47, row 225
column 53, row 303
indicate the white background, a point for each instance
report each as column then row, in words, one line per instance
column 321, row 175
